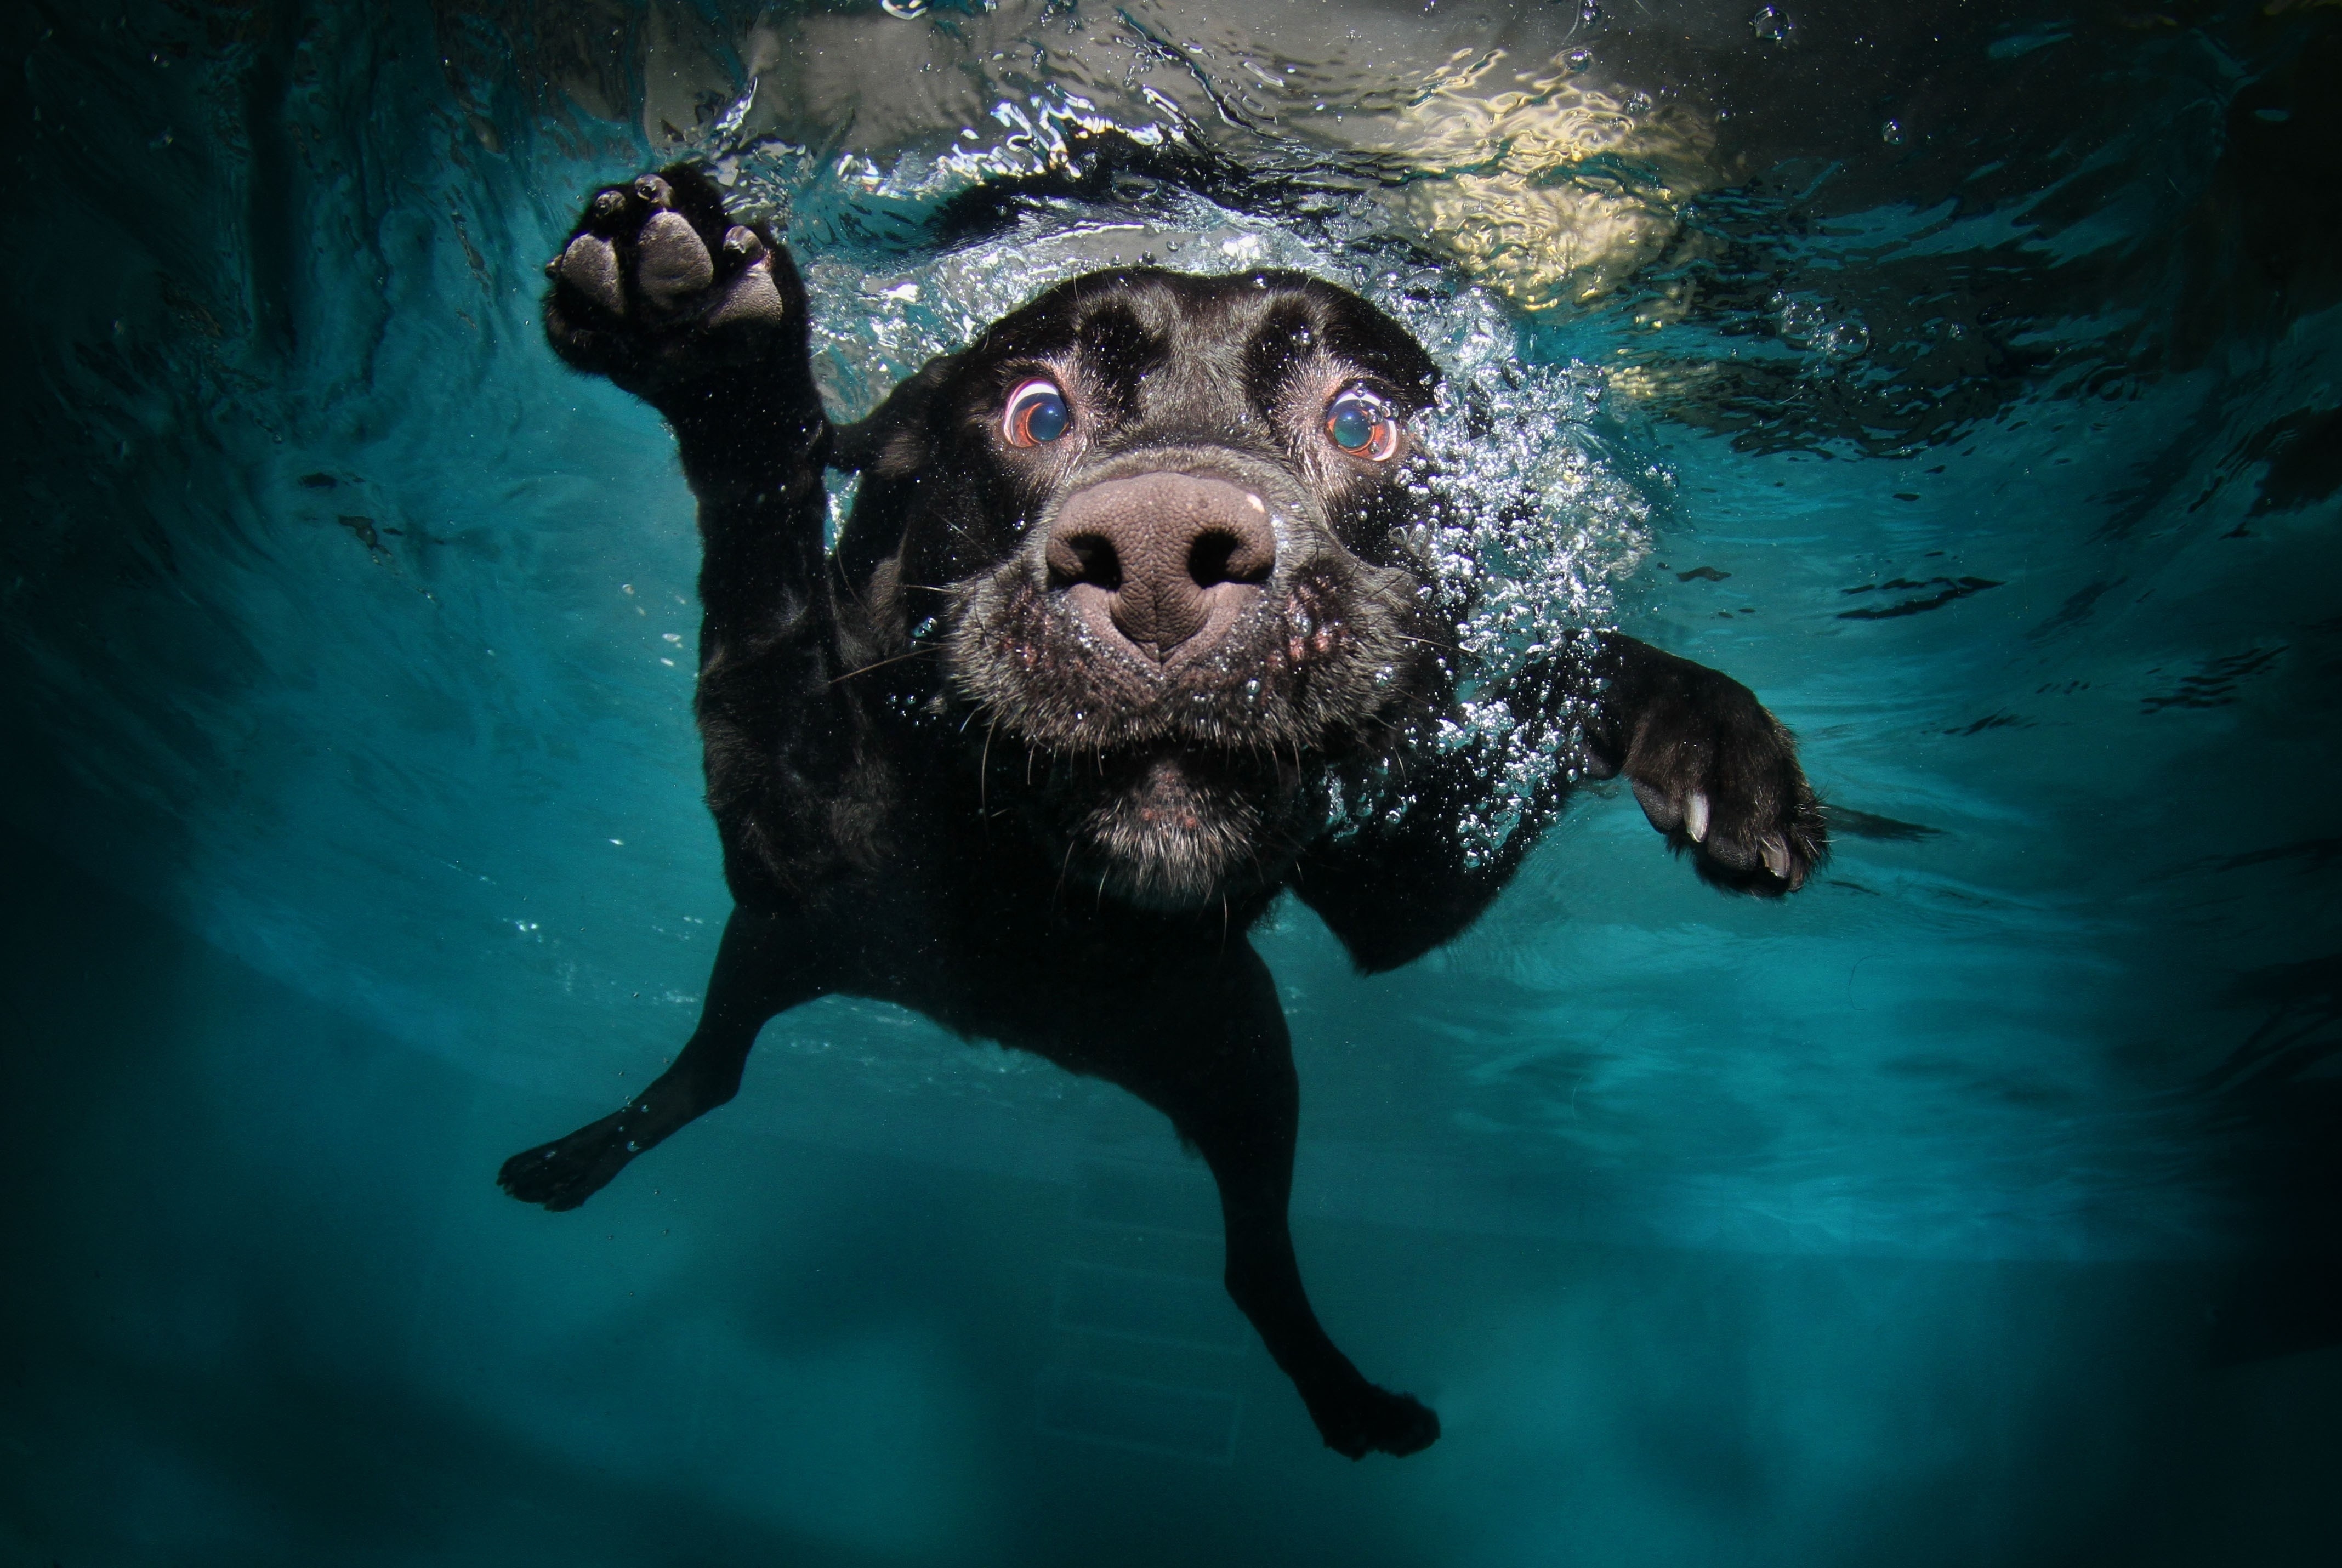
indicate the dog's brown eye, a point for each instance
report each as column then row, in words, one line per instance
column 1036, row 414
column 1357, row 421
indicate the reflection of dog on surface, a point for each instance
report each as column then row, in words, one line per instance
column 1126, row 636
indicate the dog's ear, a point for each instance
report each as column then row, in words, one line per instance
column 893, row 439
column 890, row 449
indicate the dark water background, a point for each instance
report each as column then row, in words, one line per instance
column 1965, row 378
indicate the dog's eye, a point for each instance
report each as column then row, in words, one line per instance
column 1357, row 421
column 1036, row 414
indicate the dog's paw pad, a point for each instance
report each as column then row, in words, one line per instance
column 671, row 265
column 657, row 288
column 750, row 299
column 590, row 265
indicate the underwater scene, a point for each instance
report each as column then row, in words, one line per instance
column 1964, row 377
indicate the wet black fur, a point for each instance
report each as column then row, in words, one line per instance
column 931, row 788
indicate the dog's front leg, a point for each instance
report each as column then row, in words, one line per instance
column 704, row 319
column 759, row 972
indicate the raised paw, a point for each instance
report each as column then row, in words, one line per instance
column 1718, row 774
column 658, row 289
column 1365, row 1420
column 566, row 1172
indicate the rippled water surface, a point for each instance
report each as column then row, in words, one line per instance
column 1966, row 379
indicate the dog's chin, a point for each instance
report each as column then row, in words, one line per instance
column 1174, row 830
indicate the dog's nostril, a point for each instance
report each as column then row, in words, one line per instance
column 1216, row 557
column 1085, row 558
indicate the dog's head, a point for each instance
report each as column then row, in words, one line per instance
column 1157, row 528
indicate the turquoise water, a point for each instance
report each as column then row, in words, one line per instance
column 1965, row 381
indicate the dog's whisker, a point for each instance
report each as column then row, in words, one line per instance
column 880, row 665
column 984, row 766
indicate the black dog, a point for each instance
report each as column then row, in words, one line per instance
column 1129, row 631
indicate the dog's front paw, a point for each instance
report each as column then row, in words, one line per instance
column 658, row 289
column 1363, row 1420
column 1718, row 774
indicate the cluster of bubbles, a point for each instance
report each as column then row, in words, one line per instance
column 1536, row 510
column 1538, row 514
column 1534, row 513
column 1806, row 323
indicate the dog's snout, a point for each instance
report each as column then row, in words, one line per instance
column 1167, row 561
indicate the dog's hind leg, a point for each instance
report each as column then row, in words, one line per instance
column 1221, row 1067
column 759, row 972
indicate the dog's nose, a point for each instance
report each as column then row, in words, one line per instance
column 1168, row 560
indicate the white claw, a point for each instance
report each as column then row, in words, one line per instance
column 1777, row 855
column 1695, row 816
